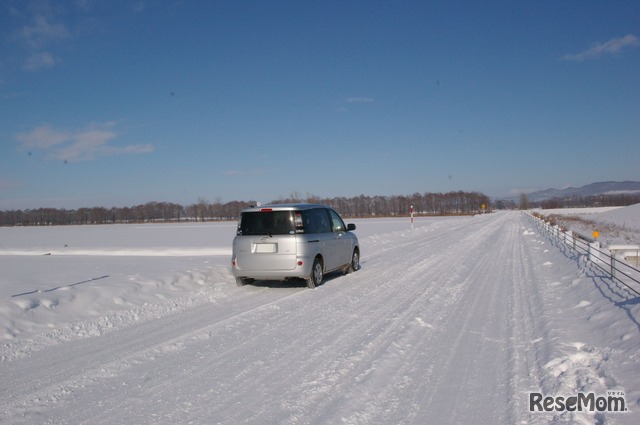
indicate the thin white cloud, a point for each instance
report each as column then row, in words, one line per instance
column 129, row 149
column 82, row 4
column 613, row 46
column 85, row 145
column 40, row 60
column 359, row 100
column 138, row 6
column 82, row 145
column 42, row 32
column 42, row 138
column 352, row 101
column 39, row 33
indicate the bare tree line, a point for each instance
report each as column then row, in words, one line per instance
column 452, row 203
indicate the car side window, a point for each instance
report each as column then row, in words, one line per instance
column 323, row 219
column 308, row 222
column 337, row 225
column 316, row 221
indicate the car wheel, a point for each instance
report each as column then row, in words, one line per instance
column 355, row 261
column 316, row 274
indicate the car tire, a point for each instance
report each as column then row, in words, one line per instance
column 315, row 279
column 355, row 261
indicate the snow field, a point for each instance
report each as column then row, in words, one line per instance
column 453, row 321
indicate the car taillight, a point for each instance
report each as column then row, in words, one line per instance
column 266, row 209
column 299, row 263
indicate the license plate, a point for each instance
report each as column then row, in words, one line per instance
column 265, row 247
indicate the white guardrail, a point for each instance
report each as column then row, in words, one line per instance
column 616, row 260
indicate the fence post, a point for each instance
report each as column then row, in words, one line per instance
column 594, row 256
column 613, row 265
column 569, row 239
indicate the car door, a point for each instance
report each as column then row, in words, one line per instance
column 317, row 230
column 340, row 246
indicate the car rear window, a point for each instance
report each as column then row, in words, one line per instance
column 266, row 223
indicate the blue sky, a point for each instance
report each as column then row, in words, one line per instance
column 118, row 103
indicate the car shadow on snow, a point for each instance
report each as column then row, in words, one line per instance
column 293, row 283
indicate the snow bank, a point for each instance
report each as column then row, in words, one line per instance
column 615, row 225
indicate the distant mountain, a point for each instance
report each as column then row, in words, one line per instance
column 600, row 188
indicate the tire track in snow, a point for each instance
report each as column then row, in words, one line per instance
column 527, row 327
column 467, row 350
column 399, row 364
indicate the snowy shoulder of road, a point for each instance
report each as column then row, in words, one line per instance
column 451, row 320
column 623, row 218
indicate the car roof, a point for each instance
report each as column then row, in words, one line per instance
column 285, row 207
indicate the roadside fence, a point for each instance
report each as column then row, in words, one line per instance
column 611, row 260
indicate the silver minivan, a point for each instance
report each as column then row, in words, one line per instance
column 293, row 241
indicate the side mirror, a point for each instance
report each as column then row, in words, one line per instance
column 351, row 226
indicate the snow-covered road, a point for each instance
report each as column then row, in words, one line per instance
column 453, row 321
